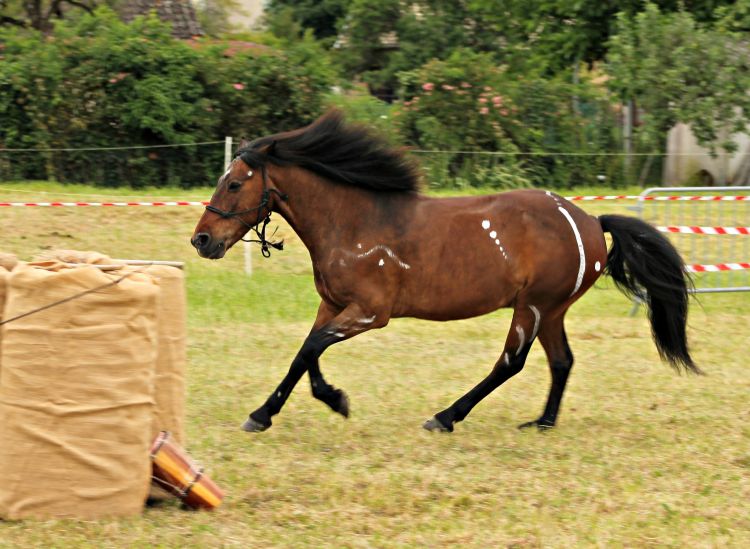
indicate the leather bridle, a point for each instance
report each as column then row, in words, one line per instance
column 265, row 199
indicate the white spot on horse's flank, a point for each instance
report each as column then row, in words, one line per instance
column 381, row 262
column 537, row 318
column 522, row 339
column 388, row 252
column 493, row 234
column 359, row 246
column 581, row 251
column 486, row 224
column 597, row 266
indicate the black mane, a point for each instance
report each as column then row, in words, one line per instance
column 344, row 153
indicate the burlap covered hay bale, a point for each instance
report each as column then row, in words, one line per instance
column 8, row 261
column 76, row 394
column 169, row 382
column 74, row 256
column 4, row 274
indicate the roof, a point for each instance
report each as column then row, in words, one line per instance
column 180, row 13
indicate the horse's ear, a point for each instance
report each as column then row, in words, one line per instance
column 244, row 143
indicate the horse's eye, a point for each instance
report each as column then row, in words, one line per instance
column 235, row 185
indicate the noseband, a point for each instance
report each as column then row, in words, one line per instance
column 265, row 198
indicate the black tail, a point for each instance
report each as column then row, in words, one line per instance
column 644, row 264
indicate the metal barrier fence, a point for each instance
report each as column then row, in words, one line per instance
column 711, row 232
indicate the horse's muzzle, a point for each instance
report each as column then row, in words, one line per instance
column 208, row 247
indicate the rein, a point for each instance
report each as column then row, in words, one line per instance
column 265, row 198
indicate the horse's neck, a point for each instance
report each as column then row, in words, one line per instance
column 325, row 214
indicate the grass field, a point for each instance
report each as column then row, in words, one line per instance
column 641, row 457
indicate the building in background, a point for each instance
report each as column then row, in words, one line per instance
column 248, row 16
column 180, row 13
column 688, row 163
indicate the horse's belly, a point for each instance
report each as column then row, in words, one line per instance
column 457, row 293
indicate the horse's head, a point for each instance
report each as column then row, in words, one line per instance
column 242, row 200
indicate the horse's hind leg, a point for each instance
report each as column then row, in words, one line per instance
column 336, row 399
column 523, row 330
column 555, row 343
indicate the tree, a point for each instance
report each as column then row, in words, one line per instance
column 38, row 14
column 548, row 36
column 320, row 16
column 678, row 71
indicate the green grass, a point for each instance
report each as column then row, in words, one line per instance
column 641, row 456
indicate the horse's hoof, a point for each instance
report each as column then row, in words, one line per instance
column 343, row 405
column 433, row 424
column 252, row 426
column 540, row 425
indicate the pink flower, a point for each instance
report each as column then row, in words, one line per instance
column 504, row 112
column 497, row 100
column 487, row 89
column 482, row 100
column 484, row 110
column 238, row 86
column 428, row 86
column 448, row 87
column 465, row 85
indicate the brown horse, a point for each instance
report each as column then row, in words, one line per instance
column 382, row 250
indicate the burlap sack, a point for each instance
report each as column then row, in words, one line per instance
column 76, row 394
column 169, row 383
column 74, row 256
column 8, row 261
column 4, row 274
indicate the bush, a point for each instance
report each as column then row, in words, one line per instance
column 99, row 82
column 467, row 106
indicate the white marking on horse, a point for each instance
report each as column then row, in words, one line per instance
column 537, row 318
column 388, row 252
column 367, row 320
column 278, row 394
column 359, row 246
column 493, row 235
column 506, row 358
column 381, row 262
column 597, row 266
column 581, row 251
column 521, row 337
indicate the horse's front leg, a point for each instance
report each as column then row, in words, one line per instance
column 329, row 328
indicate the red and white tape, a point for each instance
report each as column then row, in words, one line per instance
column 204, row 202
column 68, row 204
column 689, row 229
column 661, row 198
column 718, row 267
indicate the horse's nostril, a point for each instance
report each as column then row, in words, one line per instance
column 200, row 240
